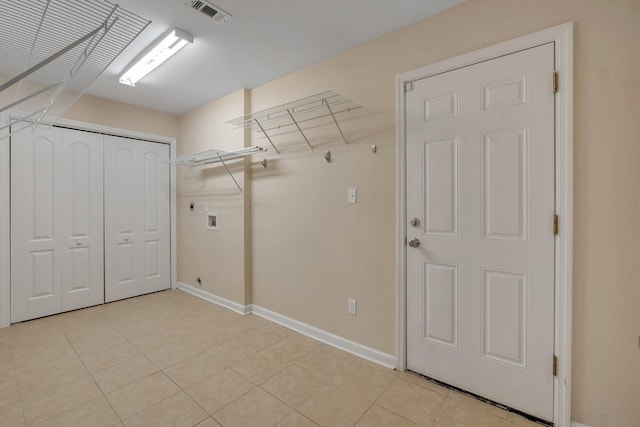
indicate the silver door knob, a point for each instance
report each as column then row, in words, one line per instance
column 415, row 222
column 414, row 243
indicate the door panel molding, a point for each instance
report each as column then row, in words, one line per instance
column 137, row 247
column 562, row 37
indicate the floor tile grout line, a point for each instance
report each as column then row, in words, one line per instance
column 87, row 371
column 91, row 374
column 393, row 412
column 277, row 398
column 402, row 416
column 15, row 379
column 154, row 405
column 435, row 420
column 230, row 403
column 364, row 413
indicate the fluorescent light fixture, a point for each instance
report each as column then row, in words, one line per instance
column 161, row 50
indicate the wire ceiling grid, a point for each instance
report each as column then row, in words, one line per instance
column 53, row 50
column 323, row 104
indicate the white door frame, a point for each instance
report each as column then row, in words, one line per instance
column 5, row 203
column 562, row 35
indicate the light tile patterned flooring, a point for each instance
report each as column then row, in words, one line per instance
column 171, row 359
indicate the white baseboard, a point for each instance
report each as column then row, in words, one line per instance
column 577, row 424
column 368, row 353
column 231, row 305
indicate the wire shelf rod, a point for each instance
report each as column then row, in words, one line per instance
column 310, row 104
column 51, row 58
column 324, row 104
column 213, row 156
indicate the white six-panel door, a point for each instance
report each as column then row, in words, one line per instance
column 56, row 222
column 137, row 240
column 480, row 192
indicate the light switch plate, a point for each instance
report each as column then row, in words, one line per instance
column 352, row 196
column 352, row 306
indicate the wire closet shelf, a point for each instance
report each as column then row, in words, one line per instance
column 53, row 51
column 213, row 156
column 293, row 113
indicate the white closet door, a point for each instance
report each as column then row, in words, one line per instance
column 35, row 224
column 137, row 245
column 82, row 224
column 56, row 222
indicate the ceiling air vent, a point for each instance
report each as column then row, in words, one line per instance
column 218, row 15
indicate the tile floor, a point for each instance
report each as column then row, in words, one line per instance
column 171, row 359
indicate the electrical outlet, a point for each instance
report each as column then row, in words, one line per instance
column 352, row 306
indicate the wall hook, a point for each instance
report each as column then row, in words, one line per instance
column 327, row 156
column 264, row 163
column 374, row 149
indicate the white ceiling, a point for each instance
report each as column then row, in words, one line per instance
column 264, row 40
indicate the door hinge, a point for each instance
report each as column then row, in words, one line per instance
column 555, row 365
column 408, row 87
column 555, row 82
column 555, row 224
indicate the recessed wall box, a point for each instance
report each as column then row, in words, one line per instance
column 212, row 221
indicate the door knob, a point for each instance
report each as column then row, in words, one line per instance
column 126, row 239
column 414, row 243
column 78, row 243
column 415, row 222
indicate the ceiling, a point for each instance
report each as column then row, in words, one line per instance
column 263, row 40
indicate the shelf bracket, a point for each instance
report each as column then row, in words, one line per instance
column 229, row 172
column 28, row 97
column 299, row 129
column 29, row 123
column 324, row 101
column 193, row 174
column 267, row 135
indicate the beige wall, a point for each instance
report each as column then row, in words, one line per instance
column 220, row 258
column 312, row 251
column 93, row 109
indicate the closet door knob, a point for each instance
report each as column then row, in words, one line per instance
column 414, row 243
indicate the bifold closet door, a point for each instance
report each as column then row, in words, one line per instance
column 137, row 239
column 56, row 222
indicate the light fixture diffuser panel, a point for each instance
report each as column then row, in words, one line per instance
column 161, row 50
